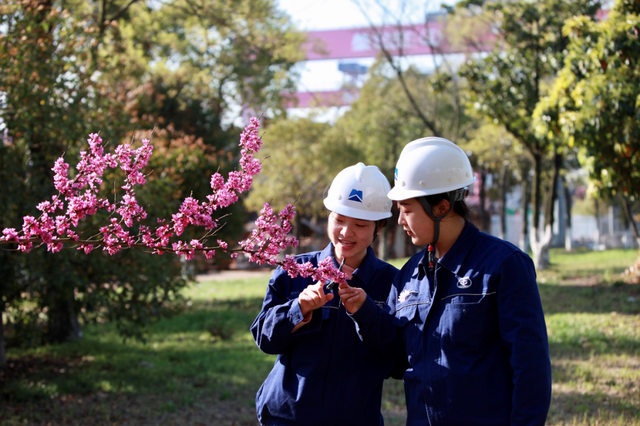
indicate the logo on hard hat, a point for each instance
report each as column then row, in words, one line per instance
column 356, row 195
column 395, row 174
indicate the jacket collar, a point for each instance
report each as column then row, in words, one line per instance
column 456, row 255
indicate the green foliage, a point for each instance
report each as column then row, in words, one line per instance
column 506, row 85
column 381, row 121
column 118, row 67
column 301, row 159
column 595, row 102
column 217, row 53
column 490, row 147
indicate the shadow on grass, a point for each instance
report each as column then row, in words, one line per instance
column 597, row 298
column 584, row 347
column 598, row 407
column 205, row 351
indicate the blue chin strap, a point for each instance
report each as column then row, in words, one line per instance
column 453, row 196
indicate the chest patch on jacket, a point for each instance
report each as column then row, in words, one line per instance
column 464, row 282
column 403, row 295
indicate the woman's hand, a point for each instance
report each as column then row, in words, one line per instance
column 313, row 297
column 352, row 297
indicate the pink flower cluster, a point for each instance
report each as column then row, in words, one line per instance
column 324, row 271
column 79, row 197
column 270, row 236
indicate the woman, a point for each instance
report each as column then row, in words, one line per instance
column 465, row 311
column 324, row 374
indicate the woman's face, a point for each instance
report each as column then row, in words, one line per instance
column 415, row 222
column 350, row 237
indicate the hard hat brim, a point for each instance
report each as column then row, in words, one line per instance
column 398, row 193
column 356, row 213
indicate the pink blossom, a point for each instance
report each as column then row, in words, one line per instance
column 217, row 181
column 79, row 197
column 10, row 234
column 88, row 248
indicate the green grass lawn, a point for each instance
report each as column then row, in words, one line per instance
column 202, row 366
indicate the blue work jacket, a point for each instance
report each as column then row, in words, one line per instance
column 324, row 374
column 473, row 335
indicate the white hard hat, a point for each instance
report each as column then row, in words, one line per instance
column 360, row 192
column 429, row 166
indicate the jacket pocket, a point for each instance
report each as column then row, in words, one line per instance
column 469, row 320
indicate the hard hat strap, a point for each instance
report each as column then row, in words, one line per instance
column 431, row 249
column 379, row 225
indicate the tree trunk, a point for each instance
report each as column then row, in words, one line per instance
column 484, row 216
column 63, row 324
column 568, row 241
column 633, row 270
column 632, row 222
column 524, row 208
column 596, row 242
column 541, row 249
column 3, row 354
column 504, row 173
column 383, row 244
column 534, row 235
column 399, row 242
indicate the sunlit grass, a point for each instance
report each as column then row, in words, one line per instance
column 249, row 288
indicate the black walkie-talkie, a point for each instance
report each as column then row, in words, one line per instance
column 331, row 284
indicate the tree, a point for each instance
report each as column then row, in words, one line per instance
column 445, row 116
column 70, row 68
column 300, row 163
column 494, row 153
column 211, row 57
column 381, row 122
column 45, row 82
column 595, row 102
column 507, row 84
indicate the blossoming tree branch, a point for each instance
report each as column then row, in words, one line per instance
column 79, row 196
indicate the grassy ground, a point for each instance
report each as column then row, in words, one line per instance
column 202, row 367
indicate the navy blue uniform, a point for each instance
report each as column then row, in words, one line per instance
column 473, row 332
column 324, row 374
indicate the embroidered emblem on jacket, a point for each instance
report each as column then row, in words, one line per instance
column 403, row 295
column 464, row 282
